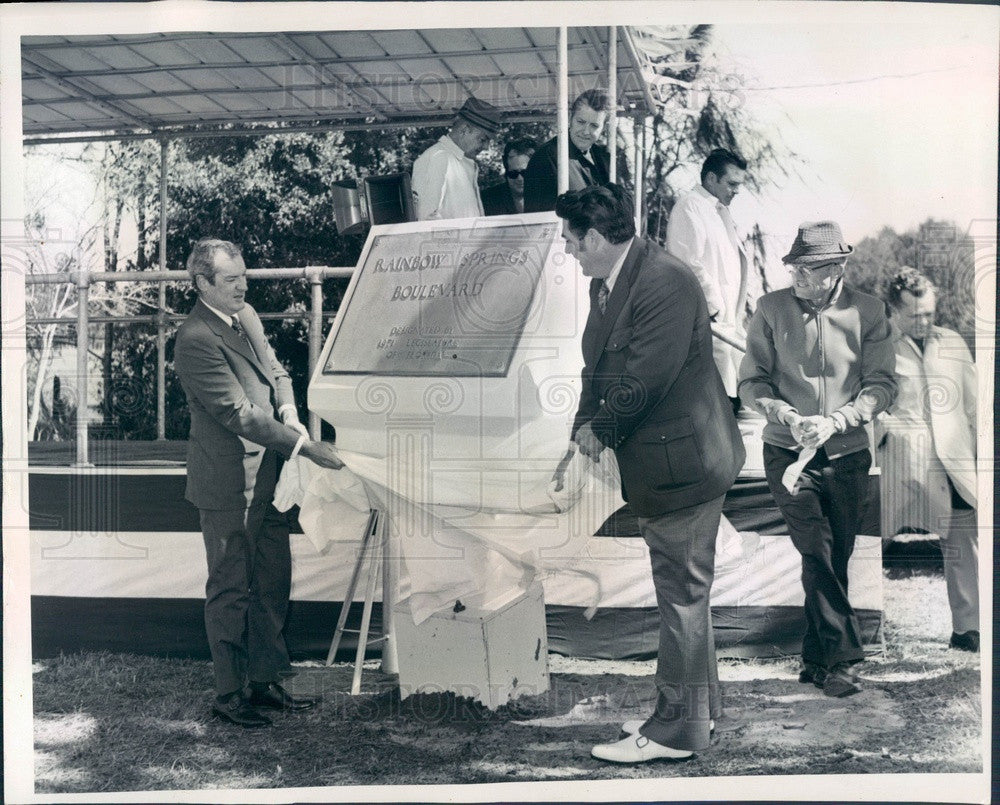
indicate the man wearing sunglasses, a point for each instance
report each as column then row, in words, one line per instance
column 507, row 198
column 820, row 365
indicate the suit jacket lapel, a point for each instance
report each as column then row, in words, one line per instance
column 230, row 338
column 616, row 301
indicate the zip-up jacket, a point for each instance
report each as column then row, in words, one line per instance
column 837, row 358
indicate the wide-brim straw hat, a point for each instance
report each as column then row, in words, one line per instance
column 818, row 241
column 482, row 114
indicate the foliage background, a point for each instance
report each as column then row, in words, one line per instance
column 272, row 194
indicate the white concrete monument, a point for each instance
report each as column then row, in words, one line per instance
column 451, row 375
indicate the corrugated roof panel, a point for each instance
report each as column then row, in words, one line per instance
column 291, row 74
column 121, row 58
column 156, row 107
column 28, row 41
column 44, row 114
column 38, row 89
column 211, row 51
column 472, row 66
column 401, row 43
column 237, row 103
column 500, row 38
column 314, row 45
column 352, row 44
column 518, row 63
column 207, row 80
column 167, row 54
column 257, row 49
column 80, row 111
column 408, row 68
column 147, row 82
column 445, row 40
column 247, row 78
column 200, row 104
column 543, row 37
column 73, row 59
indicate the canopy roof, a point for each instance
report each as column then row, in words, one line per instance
column 186, row 84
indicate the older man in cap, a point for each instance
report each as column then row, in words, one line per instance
column 819, row 365
column 445, row 177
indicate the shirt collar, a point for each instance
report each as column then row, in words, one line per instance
column 450, row 145
column 612, row 278
column 703, row 193
column 226, row 318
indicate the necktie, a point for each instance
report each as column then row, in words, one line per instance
column 727, row 220
column 243, row 335
column 603, row 292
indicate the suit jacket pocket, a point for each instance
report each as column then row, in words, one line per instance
column 619, row 339
column 669, row 454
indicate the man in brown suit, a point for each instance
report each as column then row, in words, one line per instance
column 243, row 418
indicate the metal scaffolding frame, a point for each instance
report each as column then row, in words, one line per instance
column 83, row 279
column 80, row 86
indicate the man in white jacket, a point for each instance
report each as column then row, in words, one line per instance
column 701, row 233
column 928, row 454
column 446, row 177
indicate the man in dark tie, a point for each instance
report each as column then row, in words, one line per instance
column 243, row 418
column 652, row 394
column 589, row 161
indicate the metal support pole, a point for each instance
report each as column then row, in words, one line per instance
column 82, row 380
column 640, row 170
column 613, row 94
column 563, row 110
column 161, row 322
column 641, row 229
column 390, row 580
column 315, row 335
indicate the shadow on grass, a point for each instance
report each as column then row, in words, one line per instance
column 118, row 722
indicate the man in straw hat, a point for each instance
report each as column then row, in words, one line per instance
column 819, row 365
column 445, row 177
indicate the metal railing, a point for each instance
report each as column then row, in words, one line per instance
column 83, row 279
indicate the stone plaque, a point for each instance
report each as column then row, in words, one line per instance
column 449, row 302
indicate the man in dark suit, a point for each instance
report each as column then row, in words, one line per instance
column 652, row 394
column 589, row 162
column 507, row 198
column 243, row 418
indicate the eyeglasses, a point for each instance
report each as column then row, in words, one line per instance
column 817, row 272
column 514, row 174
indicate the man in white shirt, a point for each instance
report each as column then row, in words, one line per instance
column 701, row 232
column 928, row 453
column 445, row 177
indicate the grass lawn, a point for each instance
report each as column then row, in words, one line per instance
column 108, row 722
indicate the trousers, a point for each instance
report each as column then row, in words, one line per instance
column 682, row 555
column 247, row 592
column 823, row 515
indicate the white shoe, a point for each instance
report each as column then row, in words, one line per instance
column 632, row 727
column 638, row 749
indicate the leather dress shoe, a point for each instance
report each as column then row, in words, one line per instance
column 632, row 727
column 812, row 673
column 841, row 681
column 238, row 710
column 277, row 698
column 966, row 641
column 638, row 749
